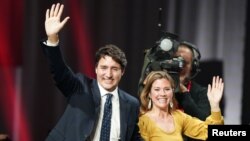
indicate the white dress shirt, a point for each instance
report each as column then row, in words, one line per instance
column 115, row 119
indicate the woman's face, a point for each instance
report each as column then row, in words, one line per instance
column 161, row 93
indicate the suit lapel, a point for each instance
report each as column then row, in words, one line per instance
column 96, row 97
column 124, row 112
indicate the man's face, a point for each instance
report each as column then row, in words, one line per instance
column 108, row 73
column 187, row 55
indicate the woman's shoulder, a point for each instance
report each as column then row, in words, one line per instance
column 144, row 117
column 179, row 114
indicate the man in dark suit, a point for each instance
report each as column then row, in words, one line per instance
column 84, row 117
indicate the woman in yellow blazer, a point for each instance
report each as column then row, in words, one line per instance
column 161, row 120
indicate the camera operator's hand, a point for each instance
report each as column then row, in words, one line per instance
column 183, row 88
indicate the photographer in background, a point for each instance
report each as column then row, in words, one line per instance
column 192, row 97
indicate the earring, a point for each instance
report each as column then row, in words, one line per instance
column 149, row 104
column 171, row 104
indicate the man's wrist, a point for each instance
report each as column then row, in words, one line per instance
column 53, row 39
column 48, row 43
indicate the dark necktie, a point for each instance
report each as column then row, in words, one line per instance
column 106, row 121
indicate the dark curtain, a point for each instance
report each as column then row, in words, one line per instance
column 14, row 119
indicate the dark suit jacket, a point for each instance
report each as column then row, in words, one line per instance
column 79, row 120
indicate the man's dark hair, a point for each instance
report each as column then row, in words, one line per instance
column 113, row 51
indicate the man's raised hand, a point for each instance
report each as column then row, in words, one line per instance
column 53, row 25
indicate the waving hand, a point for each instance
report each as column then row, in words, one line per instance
column 53, row 25
column 215, row 92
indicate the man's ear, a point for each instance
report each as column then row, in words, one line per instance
column 123, row 71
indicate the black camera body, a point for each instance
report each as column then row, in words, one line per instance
column 172, row 66
column 162, row 57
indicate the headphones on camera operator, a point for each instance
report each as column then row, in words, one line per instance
column 161, row 57
column 195, row 58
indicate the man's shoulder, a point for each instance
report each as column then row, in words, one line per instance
column 128, row 96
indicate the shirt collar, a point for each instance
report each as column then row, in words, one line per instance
column 104, row 92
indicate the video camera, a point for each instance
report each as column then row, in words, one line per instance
column 162, row 57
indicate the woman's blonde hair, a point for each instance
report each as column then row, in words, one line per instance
column 149, row 80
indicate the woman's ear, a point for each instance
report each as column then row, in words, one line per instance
column 149, row 95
